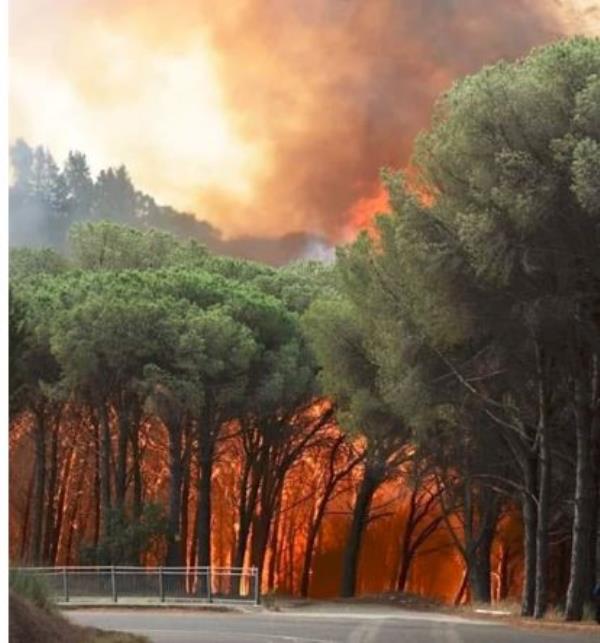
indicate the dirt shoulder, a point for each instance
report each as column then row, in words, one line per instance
column 28, row 623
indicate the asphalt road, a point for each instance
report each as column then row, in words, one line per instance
column 356, row 625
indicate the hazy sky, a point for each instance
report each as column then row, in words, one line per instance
column 261, row 116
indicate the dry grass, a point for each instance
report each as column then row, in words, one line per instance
column 29, row 623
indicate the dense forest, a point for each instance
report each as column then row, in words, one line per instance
column 423, row 415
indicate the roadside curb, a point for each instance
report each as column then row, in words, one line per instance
column 157, row 606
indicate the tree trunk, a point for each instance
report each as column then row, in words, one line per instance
column 368, row 486
column 105, row 506
column 291, row 542
column 206, row 448
column 480, row 570
column 123, row 423
column 310, row 544
column 72, row 522
column 529, row 510
column 503, row 579
column 247, row 505
column 260, row 537
column 481, row 515
column 407, row 558
column 595, row 533
column 97, row 492
column 542, row 527
column 185, row 498
column 51, row 506
column 173, row 558
column 545, row 478
column 60, row 510
column 246, row 511
column 406, row 553
column 39, row 488
column 275, row 547
column 25, row 528
column 138, row 491
column 462, row 588
column 579, row 577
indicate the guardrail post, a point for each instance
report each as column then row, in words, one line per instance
column 66, row 584
column 208, row 585
column 113, row 583
column 161, row 586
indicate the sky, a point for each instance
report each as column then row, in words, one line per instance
column 263, row 117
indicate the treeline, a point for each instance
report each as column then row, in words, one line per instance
column 46, row 199
column 445, row 370
column 140, row 359
column 471, row 316
column 137, row 324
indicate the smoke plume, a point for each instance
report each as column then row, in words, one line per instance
column 320, row 94
column 339, row 89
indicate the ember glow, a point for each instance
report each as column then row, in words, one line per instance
column 263, row 118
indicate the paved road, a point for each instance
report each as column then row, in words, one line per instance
column 355, row 625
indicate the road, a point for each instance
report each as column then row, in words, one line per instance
column 333, row 625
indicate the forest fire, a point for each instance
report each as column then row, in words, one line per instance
column 72, row 512
column 416, row 416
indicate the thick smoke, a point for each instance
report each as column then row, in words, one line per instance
column 328, row 91
column 339, row 88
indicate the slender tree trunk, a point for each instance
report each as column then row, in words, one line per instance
column 105, row 505
column 529, row 510
column 175, row 479
column 72, row 521
column 503, row 579
column 64, row 486
column 291, row 542
column 260, row 537
column 480, row 568
column 246, row 511
column 275, row 546
column 542, row 544
column 123, row 424
column 368, row 486
column 97, row 492
column 39, row 437
column 481, row 515
column 407, row 558
column 25, row 528
column 594, row 565
column 206, row 448
column 204, row 512
column 406, row 553
column 462, row 588
column 185, row 499
column 310, row 544
column 138, row 505
column 543, row 508
column 194, row 540
column 578, row 590
column 51, row 506
column 246, row 508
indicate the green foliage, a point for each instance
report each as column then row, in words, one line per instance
column 127, row 538
column 107, row 246
column 30, row 262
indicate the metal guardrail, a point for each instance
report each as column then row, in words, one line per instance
column 149, row 584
